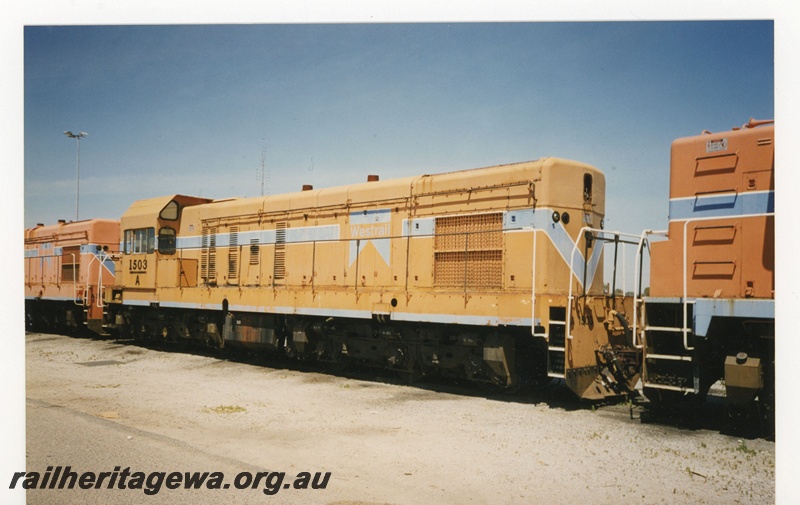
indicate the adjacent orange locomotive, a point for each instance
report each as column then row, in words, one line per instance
column 711, row 312
column 67, row 268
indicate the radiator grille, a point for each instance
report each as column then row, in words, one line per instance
column 468, row 251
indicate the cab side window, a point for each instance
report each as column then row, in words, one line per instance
column 140, row 241
column 166, row 240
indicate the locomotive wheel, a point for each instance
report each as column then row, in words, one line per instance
column 411, row 371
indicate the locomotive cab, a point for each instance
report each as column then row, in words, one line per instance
column 149, row 248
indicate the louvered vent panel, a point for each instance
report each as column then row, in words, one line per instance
column 279, row 271
column 254, row 249
column 468, row 251
column 233, row 253
column 204, row 255
column 208, row 255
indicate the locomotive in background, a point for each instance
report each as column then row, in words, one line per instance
column 711, row 312
column 67, row 267
column 488, row 274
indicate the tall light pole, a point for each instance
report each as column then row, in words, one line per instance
column 77, row 137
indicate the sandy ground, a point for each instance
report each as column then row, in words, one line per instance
column 383, row 442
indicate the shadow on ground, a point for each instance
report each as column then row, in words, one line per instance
column 684, row 414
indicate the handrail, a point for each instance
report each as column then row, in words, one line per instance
column 636, row 272
column 101, row 264
column 88, row 277
column 74, row 282
column 684, row 300
column 533, row 285
column 100, row 286
column 567, row 332
column 581, row 233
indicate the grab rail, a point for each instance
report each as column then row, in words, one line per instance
column 601, row 233
column 636, row 273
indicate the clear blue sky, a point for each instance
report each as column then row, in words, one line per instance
column 188, row 109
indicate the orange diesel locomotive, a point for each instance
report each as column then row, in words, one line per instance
column 711, row 311
column 481, row 274
column 67, row 267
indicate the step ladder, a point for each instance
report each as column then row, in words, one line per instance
column 669, row 351
column 556, row 342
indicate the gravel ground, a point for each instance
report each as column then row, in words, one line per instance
column 383, row 442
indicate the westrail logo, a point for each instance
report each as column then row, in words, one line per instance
column 370, row 227
column 369, row 231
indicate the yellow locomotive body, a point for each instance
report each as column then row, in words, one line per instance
column 483, row 274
